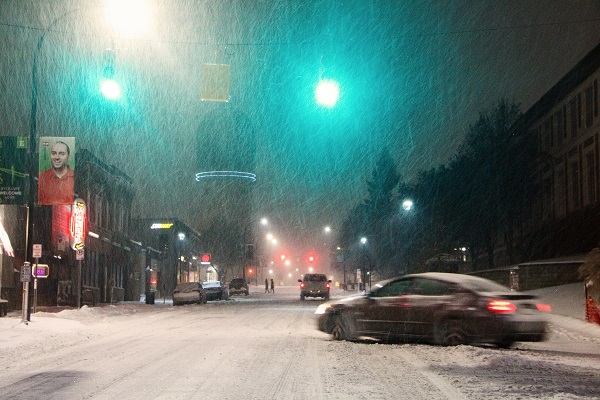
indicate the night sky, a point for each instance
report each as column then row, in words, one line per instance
column 413, row 76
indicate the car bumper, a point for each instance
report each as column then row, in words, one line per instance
column 518, row 329
column 186, row 298
column 315, row 293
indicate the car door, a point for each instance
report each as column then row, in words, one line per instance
column 426, row 298
column 386, row 318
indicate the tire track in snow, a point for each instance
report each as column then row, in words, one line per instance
column 436, row 380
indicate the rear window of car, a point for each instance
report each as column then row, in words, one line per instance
column 315, row 278
column 483, row 285
column 188, row 286
column 211, row 284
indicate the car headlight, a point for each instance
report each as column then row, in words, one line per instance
column 323, row 308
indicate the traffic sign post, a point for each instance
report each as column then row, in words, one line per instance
column 25, row 278
column 36, row 254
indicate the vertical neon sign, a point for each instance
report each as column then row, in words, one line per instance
column 78, row 225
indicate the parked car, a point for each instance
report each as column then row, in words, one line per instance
column 238, row 286
column 189, row 293
column 314, row 285
column 215, row 290
column 440, row 308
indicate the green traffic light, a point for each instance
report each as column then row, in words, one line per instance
column 110, row 89
column 327, row 93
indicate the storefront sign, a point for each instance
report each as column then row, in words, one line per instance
column 78, row 225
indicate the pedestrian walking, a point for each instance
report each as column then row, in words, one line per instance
column 266, row 285
column 272, row 286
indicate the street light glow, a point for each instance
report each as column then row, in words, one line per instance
column 128, row 17
column 407, row 205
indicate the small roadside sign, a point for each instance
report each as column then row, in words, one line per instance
column 37, row 251
column 26, row 272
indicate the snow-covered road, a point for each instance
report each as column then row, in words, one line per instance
column 266, row 346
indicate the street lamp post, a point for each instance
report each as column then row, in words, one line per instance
column 246, row 250
column 366, row 271
column 32, row 148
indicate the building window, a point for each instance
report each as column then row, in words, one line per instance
column 595, row 97
column 591, row 177
column 548, row 135
column 560, row 203
column 589, row 107
column 97, row 210
column 579, row 114
column 547, row 198
column 91, row 273
column 117, row 276
column 558, row 119
column 575, row 184
column 573, row 117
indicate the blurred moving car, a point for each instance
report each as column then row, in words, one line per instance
column 439, row 308
column 189, row 293
column 238, row 286
column 314, row 285
column 215, row 290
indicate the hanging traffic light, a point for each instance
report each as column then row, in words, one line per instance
column 109, row 88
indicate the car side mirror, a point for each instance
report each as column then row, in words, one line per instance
column 300, row 280
column 329, row 281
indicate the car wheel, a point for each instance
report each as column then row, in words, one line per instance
column 341, row 329
column 302, row 297
column 326, row 297
column 451, row 333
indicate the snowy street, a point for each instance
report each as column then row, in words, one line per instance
column 267, row 346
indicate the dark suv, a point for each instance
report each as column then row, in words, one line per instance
column 314, row 285
column 238, row 286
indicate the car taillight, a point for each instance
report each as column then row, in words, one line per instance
column 328, row 285
column 543, row 307
column 501, row 307
column 302, row 285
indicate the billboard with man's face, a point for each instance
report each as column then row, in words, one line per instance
column 56, row 178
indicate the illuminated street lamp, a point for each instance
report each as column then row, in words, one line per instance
column 327, row 93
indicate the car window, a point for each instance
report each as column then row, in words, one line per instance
column 395, row 288
column 430, row 287
column 315, row 278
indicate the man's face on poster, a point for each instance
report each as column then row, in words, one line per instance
column 59, row 155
